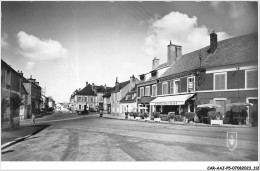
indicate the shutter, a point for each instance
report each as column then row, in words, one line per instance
column 252, row 79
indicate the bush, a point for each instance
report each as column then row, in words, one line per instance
column 190, row 115
column 213, row 115
column 164, row 117
column 179, row 118
column 202, row 112
column 146, row 115
column 171, row 115
column 156, row 115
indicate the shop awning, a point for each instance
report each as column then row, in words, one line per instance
column 171, row 100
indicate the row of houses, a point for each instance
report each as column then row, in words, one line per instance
column 20, row 97
column 222, row 73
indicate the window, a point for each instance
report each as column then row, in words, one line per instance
column 165, row 88
column 251, row 79
column 79, row 99
column 8, row 79
column 220, row 81
column 171, row 87
column 141, row 92
column 91, row 99
column 86, row 99
column 154, row 90
column 176, row 86
column 142, row 77
column 222, row 103
column 190, row 84
column 147, row 91
column 79, row 106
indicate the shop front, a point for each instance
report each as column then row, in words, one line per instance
column 178, row 104
column 144, row 104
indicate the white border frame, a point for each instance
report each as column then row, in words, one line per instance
column 220, row 73
column 246, row 77
column 154, row 85
column 188, row 84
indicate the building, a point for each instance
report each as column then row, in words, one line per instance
column 90, row 97
column 129, row 101
column 147, row 88
column 34, row 95
column 222, row 73
column 119, row 91
column 12, row 89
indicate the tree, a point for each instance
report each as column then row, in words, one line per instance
column 15, row 103
column 4, row 105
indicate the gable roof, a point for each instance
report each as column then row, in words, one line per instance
column 230, row 51
column 87, row 91
column 236, row 50
column 128, row 97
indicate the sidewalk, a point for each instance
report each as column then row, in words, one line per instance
column 9, row 135
column 122, row 117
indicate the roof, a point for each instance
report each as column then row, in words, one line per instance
column 230, row 51
column 163, row 65
column 86, row 91
column 121, row 85
column 128, row 98
column 236, row 50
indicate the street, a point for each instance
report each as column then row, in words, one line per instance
column 102, row 139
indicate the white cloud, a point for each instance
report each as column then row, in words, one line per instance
column 181, row 30
column 32, row 47
column 233, row 9
column 30, row 65
column 4, row 43
column 237, row 9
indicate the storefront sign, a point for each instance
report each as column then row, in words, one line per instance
column 169, row 103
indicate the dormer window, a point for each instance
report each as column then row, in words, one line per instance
column 142, row 77
column 154, row 73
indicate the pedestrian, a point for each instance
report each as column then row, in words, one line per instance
column 33, row 117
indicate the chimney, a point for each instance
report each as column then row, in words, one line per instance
column 174, row 51
column 21, row 73
column 117, row 85
column 213, row 42
column 105, row 86
column 155, row 63
column 132, row 82
column 86, row 83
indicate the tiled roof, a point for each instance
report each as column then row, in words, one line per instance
column 86, row 91
column 112, row 90
column 128, row 98
column 230, row 51
column 162, row 66
column 236, row 50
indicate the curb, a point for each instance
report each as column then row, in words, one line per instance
column 175, row 123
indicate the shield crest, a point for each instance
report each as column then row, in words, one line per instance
column 231, row 140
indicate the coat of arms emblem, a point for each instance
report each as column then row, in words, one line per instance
column 231, row 140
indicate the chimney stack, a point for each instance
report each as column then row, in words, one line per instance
column 21, row 73
column 155, row 63
column 86, row 83
column 213, row 42
column 105, row 86
column 132, row 82
column 174, row 51
column 117, row 85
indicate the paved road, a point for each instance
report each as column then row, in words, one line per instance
column 101, row 139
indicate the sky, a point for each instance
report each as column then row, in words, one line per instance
column 63, row 45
